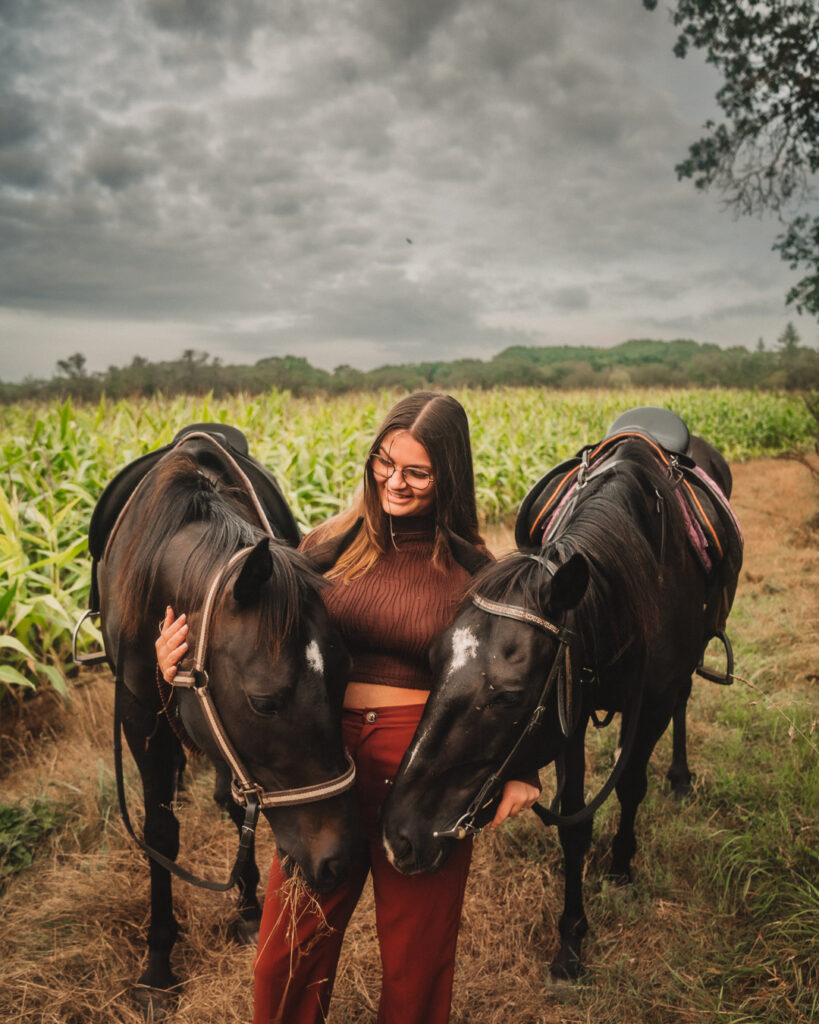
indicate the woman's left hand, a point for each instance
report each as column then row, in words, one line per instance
column 517, row 796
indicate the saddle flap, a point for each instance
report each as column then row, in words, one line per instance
column 543, row 495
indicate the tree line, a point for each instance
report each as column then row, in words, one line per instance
column 636, row 363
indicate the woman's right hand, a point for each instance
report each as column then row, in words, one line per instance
column 171, row 644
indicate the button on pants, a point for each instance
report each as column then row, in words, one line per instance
column 417, row 916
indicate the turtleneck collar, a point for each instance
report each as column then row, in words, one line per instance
column 406, row 526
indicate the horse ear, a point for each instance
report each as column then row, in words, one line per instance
column 569, row 584
column 257, row 569
column 467, row 555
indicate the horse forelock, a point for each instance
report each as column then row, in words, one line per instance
column 292, row 588
column 514, row 577
column 175, row 494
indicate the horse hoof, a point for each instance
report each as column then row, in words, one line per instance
column 567, row 966
column 156, row 1003
column 564, row 972
column 245, row 933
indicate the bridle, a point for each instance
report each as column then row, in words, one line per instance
column 242, row 786
column 561, row 666
column 570, row 712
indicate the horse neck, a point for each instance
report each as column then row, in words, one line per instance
column 611, row 528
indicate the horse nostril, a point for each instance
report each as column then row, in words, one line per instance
column 402, row 848
column 331, row 873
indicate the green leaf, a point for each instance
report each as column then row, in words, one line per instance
column 6, row 599
column 54, row 676
column 15, row 645
column 11, row 675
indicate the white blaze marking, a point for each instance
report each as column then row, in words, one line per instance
column 314, row 658
column 464, row 647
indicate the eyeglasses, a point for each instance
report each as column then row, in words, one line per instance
column 413, row 476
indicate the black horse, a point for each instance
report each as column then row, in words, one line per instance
column 612, row 613
column 269, row 670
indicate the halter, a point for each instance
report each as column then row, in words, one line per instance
column 242, row 785
column 465, row 825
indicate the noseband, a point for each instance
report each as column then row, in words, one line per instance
column 242, row 786
column 568, row 709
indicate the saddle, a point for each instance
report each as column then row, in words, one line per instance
column 223, row 458
column 712, row 528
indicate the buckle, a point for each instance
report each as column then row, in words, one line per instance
column 200, row 678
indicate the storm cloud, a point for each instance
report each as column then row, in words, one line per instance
column 362, row 182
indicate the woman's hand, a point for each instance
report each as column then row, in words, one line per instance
column 517, row 796
column 171, row 645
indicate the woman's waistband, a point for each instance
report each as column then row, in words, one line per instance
column 398, row 714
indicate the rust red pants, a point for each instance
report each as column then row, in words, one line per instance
column 417, row 916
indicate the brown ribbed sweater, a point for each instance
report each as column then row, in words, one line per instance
column 389, row 617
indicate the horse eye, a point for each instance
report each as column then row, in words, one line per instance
column 264, row 705
column 514, row 654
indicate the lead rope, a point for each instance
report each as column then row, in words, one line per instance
column 246, row 836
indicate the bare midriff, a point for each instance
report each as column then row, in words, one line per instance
column 359, row 696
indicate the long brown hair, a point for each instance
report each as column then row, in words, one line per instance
column 439, row 423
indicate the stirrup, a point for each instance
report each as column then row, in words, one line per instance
column 727, row 678
column 95, row 658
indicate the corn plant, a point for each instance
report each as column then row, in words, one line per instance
column 56, row 459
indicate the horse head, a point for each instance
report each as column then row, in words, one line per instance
column 277, row 671
column 480, row 725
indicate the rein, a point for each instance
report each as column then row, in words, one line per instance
column 569, row 718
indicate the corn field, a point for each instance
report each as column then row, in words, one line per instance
column 57, row 459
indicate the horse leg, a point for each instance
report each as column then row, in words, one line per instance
column 679, row 774
column 157, row 753
column 250, row 911
column 575, row 841
column 631, row 788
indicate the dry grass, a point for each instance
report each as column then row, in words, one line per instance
column 680, row 945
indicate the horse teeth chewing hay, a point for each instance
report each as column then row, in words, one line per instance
column 608, row 608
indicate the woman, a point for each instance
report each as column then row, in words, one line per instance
column 394, row 586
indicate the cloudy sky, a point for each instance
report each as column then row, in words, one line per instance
column 359, row 181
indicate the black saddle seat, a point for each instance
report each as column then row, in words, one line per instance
column 662, row 425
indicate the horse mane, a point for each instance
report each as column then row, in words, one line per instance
column 177, row 493
column 615, row 527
